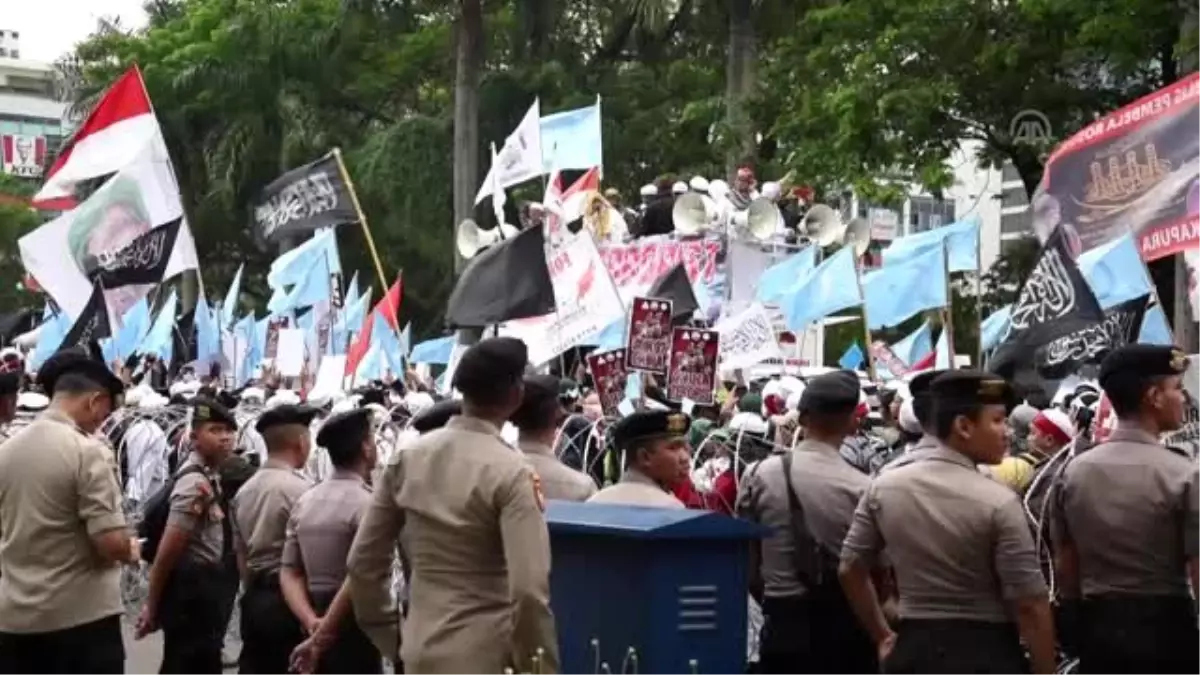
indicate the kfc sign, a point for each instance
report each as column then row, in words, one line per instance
column 24, row 156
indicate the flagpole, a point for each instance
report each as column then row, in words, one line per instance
column 866, row 324
column 362, row 218
column 978, row 292
column 947, row 311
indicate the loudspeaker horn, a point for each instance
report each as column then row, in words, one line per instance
column 470, row 240
column 762, row 219
column 690, row 214
column 823, row 225
column 858, row 235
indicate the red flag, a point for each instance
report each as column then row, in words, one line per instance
column 925, row 363
column 389, row 307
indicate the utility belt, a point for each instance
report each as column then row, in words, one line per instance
column 264, row 580
column 198, row 594
column 1140, row 610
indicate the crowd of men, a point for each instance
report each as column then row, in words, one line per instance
column 917, row 537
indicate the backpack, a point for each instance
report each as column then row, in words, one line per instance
column 155, row 513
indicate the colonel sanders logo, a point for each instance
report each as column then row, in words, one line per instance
column 24, row 156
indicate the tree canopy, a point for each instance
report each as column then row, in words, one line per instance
column 871, row 94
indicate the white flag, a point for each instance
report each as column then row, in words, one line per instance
column 748, row 339
column 498, row 196
column 521, row 157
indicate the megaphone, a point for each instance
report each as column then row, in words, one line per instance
column 858, row 235
column 823, row 225
column 761, row 220
column 718, row 189
column 470, row 240
column 691, row 215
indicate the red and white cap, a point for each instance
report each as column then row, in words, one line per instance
column 1055, row 424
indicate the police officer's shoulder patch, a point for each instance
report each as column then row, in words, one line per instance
column 538, row 495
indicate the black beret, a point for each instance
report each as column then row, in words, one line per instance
column 971, row 387
column 1126, row 366
column 79, row 360
column 436, row 415
column 372, row 395
column 491, row 362
column 344, row 424
column 10, row 383
column 539, row 390
column 919, row 385
column 831, row 392
column 648, row 424
column 205, row 409
column 227, row 399
column 285, row 414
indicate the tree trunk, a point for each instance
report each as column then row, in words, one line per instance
column 739, row 84
column 468, row 56
column 1187, row 331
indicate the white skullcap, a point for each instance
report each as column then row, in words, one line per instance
column 1056, row 424
column 253, row 394
column 771, row 190
column 283, row 397
column 344, row 405
column 679, row 187
column 772, row 388
column 416, row 401
column 152, row 400
column 31, row 400
column 748, row 422
column 698, row 183
column 649, row 190
column 908, row 418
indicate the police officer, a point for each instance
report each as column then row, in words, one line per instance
column 970, row 590
column 653, row 445
column 62, row 529
column 538, row 419
column 475, row 543
column 262, row 507
column 1125, row 527
column 194, row 576
column 319, row 535
column 922, row 409
column 807, row 498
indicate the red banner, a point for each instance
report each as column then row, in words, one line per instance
column 608, row 377
column 649, row 335
column 693, row 372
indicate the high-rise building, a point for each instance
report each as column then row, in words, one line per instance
column 32, row 119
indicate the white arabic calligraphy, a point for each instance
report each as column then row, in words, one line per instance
column 145, row 252
column 1091, row 342
column 309, row 196
column 1048, row 293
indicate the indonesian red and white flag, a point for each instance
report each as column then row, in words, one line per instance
column 566, row 206
column 112, row 136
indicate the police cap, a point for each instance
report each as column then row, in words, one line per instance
column 968, row 388
column 286, row 413
column 435, row 416
column 649, row 424
column 207, row 410
column 541, row 393
column 491, row 364
column 344, row 425
column 832, row 392
column 918, row 391
column 1132, row 365
column 78, row 360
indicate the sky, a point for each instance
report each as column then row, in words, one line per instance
column 51, row 28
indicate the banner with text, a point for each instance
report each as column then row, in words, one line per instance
column 609, row 375
column 693, row 370
column 649, row 332
column 748, row 338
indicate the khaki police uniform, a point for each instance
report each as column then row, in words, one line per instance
column 1129, row 507
column 468, row 513
column 637, row 489
column 319, row 534
column 807, row 499
column 60, row 606
column 194, row 608
column 558, row 480
column 262, row 508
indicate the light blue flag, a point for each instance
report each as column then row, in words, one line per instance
column 260, row 334
column 435, row 351
column 315, row 287
column 354, row 313
column 133, row 328
column 298, row 264
column 1115, row 272
column 243, row 332
column 158, row 341
column 829, row 288
column 633, row 385
column 406, row 339
column 1155, row 329
column 306, row 321
column 351, row 292
column 902, row 288
column 279, row 301
column 389, row 343
column 914, row 346
column 371, row 366
column 208, row 336
column 108, row 349
column 853, row 358
column 962, row 245
column 995, row 328
column 572, row 139
column 50, row 337
column 778, row 279
column 229, row 307
column 613, row 335
column 942, row 360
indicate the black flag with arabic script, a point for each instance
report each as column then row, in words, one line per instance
column 141, row 261
column 92, row 324
column 304, row 199
column 1120, row 327
column 1054, row 301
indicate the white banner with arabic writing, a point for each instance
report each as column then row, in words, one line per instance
column 748, row 338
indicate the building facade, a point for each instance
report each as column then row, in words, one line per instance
column 32, row 120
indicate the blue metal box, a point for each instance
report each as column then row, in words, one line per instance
column 647, row 590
